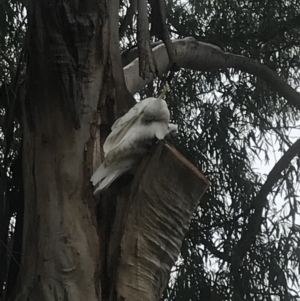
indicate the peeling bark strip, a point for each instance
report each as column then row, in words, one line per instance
column 165, row 193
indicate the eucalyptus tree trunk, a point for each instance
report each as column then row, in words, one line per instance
column 68, row 58
column 75, row 246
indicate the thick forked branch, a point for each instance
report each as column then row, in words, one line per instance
column 165, row 192
column 194, row 55
column 132, row 53
column 147, row 64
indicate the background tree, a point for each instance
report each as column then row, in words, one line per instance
column 241, row 244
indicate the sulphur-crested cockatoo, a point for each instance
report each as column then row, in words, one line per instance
column 130, row 138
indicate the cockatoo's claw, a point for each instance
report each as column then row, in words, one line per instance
column 157, row 141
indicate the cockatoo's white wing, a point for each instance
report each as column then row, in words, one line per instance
column 123, row 139
column 152, row 109
column 99, row 174
column 147, row 111
column 123, row 124
column 137, row 140
column 133, row 142
column 135, row 111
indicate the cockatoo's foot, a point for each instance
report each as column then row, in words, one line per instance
column 157, row 141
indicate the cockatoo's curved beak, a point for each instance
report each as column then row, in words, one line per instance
column 172, row 131
column 173, row 134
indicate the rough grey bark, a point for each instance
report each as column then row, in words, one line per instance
column 60, row 254
column 60, row 250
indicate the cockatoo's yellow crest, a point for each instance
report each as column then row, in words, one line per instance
column 164, row 91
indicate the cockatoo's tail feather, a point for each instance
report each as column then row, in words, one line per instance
column 99, row 174
column 107, row 181
column 106, row 174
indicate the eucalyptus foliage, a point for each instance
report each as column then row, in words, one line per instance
column 228, row 121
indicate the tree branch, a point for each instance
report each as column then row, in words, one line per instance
column 194, row 55
column 123, row 99
column 159, row 26
column 132, row 53
column 147, row 64
column 259, row 202
column 214, row 250
column 128, row 18
column 268, row 75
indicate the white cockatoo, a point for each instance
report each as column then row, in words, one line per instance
column 130, row 138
